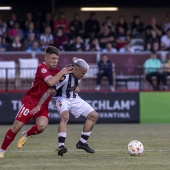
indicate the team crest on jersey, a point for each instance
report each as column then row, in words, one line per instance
column 43, row 70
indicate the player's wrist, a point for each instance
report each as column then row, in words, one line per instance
column 61, row 73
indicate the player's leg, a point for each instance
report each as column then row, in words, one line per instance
column 81, row 107
column 10, row 135
column 62, row 107
column 62, row 132
column 41, row 119
column 87, row 129
column 39, row 127
column 41, row 124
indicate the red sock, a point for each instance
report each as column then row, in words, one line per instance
column 33, row 131
column 9, row 137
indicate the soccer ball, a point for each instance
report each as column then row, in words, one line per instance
column 135, row 148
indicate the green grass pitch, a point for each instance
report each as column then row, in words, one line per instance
column 109, row 141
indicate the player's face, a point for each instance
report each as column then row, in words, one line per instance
column 51, row 60
column 79, row 72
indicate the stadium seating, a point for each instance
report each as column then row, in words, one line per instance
column 8, row 74
column 128, row 69
column 27, row 69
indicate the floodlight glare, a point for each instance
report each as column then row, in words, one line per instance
column 5, row 8
column 98, row 9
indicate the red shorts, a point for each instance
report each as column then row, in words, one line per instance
column 24, row 114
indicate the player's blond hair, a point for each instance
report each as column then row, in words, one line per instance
column 81, row 63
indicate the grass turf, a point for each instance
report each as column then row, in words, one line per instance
column 109, row 141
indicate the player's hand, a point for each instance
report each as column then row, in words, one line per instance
column 77, row 90
column 35, row 110
column 67, row 70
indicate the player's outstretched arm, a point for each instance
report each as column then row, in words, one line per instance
column 42, row 100
column 55, row 79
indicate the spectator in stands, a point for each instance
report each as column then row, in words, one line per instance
column 152, row 39
column 109, row 48
column 166, row 72
column 152, row 68
column 122, row 23
column 14, row 31
column 16, row 45
column 3, row 27
column 165, row 41
column 61, row 40
column 76, row 27
column 106, row 36
column 34, row 48
column 13, row 19
column 105, row 69
column 92, row 45
column 127, row 48
column 108, row 21
column 155, row 46
column 92, row 26
column 166, row 23
column 61, row 22
column 154, row 26
column 31, row 29
column 137, row 27
column 46, row 21
column 77, row 45
column 29, row 41
column 3, row 46
column 28, row 18
column 121, row 38
column 46, row 39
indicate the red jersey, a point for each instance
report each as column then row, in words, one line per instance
column 34, row 94
column 61, row 23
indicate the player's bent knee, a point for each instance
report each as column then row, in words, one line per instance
column 65, row 116
column 93, row 116
column 41, row 127
column 96, row 116
column 41, row 123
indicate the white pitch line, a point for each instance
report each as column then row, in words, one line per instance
column 33, row 151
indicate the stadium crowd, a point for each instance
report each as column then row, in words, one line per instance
column 33, row 34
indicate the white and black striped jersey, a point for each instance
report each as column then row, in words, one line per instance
column 66, row 86
column 46, row 38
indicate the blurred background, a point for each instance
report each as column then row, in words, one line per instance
column 145, row 9
column 133, row 35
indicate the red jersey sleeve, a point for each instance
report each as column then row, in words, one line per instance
column 45, row 73
column 34, row 94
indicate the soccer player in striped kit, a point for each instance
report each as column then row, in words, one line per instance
column 68, row 101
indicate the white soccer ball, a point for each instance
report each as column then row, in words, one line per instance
column 135, row 148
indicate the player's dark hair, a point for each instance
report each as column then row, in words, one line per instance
column 52, row 50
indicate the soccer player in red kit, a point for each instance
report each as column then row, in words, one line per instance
column 47, row 75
